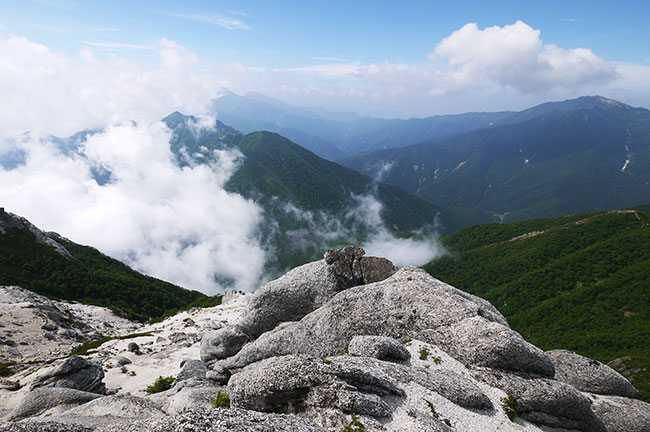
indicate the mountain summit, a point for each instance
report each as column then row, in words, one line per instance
column 346, row 343
column 558, row 158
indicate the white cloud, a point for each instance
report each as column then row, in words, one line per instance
column 513, row 56
column 220, row 20
column 44, row 91
column 178, row 224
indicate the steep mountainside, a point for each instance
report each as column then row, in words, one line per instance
column 586, row 154
column 310, row 203
column 59, row 268
column 579, row 282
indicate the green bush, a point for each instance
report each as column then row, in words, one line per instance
column 222, row 400
column 354, row 426
column 509, row 405
column 424, row 353
column 161, row 384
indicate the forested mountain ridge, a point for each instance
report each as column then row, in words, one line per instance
column 51, row 265
column 578, row 282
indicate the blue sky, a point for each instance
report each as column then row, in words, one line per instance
column 286, row 33
column 374, row 57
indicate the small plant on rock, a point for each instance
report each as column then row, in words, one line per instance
column 327, row 361
column 123, row 369
column 509, row 405
column 434, row 413
column 354, row 426
column 222, row 400
column 161, row 384
column 424, row 353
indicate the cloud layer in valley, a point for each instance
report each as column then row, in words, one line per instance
column 178, row 224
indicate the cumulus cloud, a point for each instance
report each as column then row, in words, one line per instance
column 178, row 224
column 45, row 91
column 513, row 56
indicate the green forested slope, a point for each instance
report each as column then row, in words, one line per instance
column 579, row 282
column 88, row 277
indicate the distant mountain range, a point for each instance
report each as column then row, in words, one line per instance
column 335, row 135
column 559, row 158
column 577, row 282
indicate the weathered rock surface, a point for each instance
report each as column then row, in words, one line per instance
column 233, row 419
column 623, row 414
column 354, row 385
column 221, row 344
column 547, row 402
column 408, row 304
column 487, row 343
column 7, row 384
column 122, row 405
column 219, row 375
column 190, row 397
column 192, row 369
column 294, row 295
column 74, row 373
column 590, row 375
column 379, row 347
column 39, row 400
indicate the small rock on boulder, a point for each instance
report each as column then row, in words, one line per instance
column 133, row 347
column 221, row 344
column 379, row 347
column 589, row 375
column 121, row 360
column 192, row 369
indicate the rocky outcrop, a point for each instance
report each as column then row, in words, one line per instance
column 10, row 220
column 353, row 385
column 589, row 375
column 40, row 400
column 622, row 414
column 547, row 402
column 294, row 295
column 74, row 373
column 404, row 353
column 410, row 304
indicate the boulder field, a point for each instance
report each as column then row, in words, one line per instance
column 347, row 343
